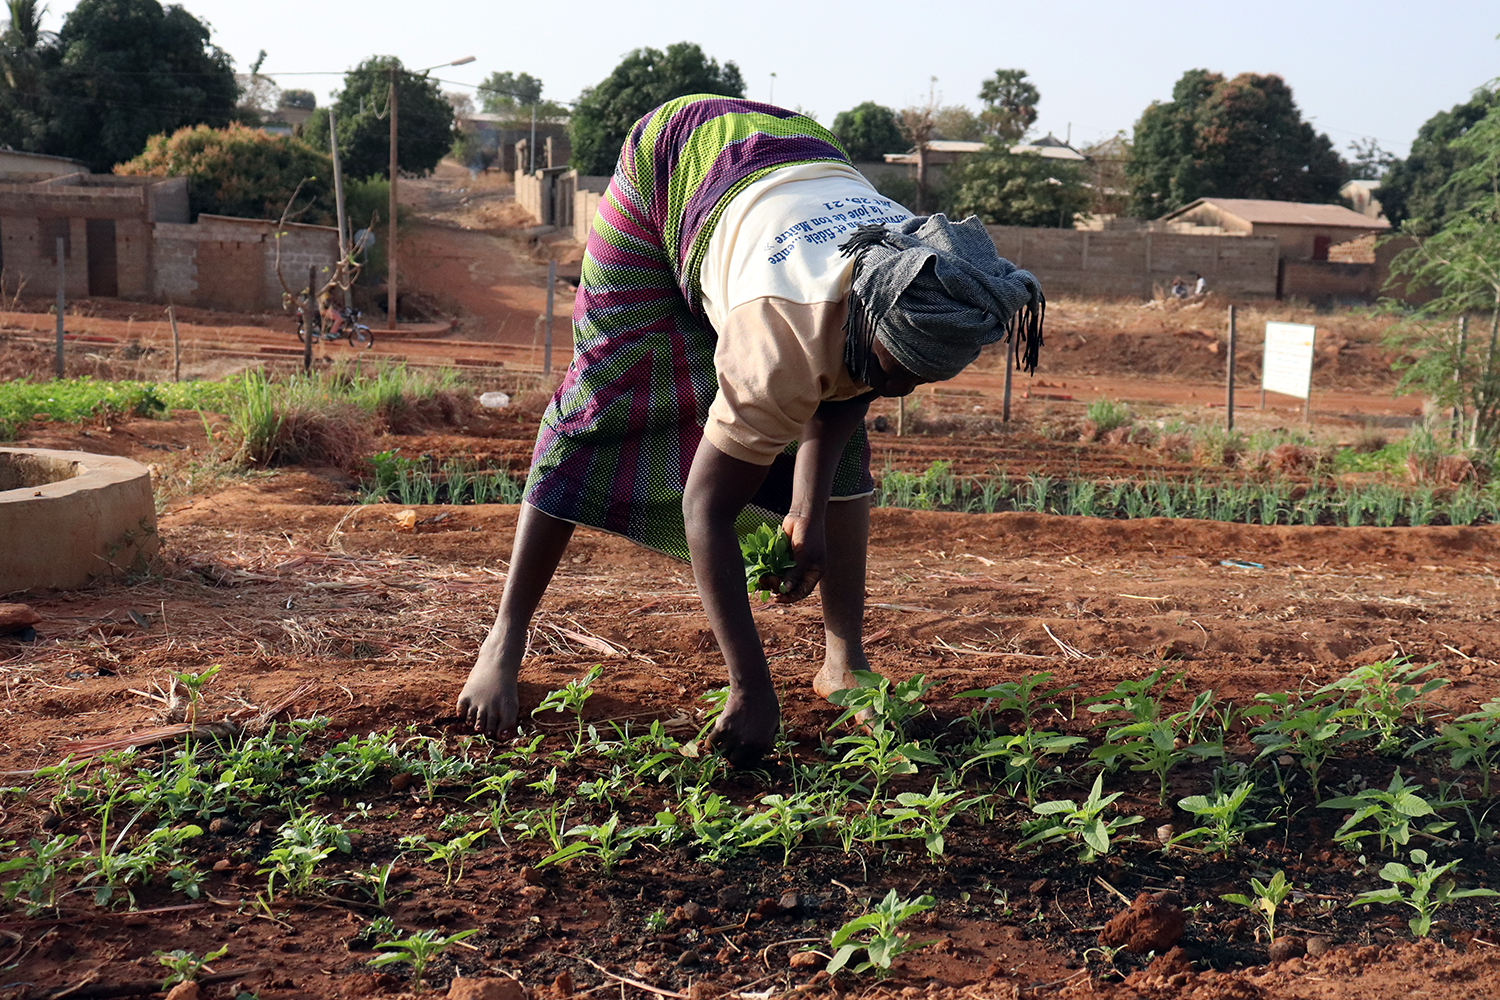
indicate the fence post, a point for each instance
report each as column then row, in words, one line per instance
column 310, row 327
column 547, row 336
column 1229, row 383
column 176, row 347
column 62, row 303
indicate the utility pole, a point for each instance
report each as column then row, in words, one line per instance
column 390, row 251
column 547, row 337
column 1229, row 382
column 62, row 303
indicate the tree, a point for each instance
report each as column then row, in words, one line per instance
column 1418, row 186
column 955, row 121
column 644, row 79
column 1016, row 189
column 504, row 92
column 297, row 98
column 1368, row 161
column 242, row 172
column 1460, row 265
column 1010, row 102
column 23, row 122
column 1239, row 138
column 424, row 120
column 124, row 70
column 868, row 131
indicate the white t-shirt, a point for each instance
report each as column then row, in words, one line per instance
column 774, row 287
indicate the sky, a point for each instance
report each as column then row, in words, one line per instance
column 1375, row 69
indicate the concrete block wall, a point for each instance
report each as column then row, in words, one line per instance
column 174, row 252
column 585, row 207
column 1123, row 263
column 225, row 263
column 529, row 193
column 133, row 251
column 1329, row 281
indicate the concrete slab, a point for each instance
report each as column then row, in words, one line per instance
column 68, row 518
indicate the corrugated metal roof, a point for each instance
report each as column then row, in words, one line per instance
column 1285, row 213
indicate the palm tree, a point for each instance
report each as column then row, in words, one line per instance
column 22, row 97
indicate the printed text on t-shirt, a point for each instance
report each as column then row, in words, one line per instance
column 831, row 220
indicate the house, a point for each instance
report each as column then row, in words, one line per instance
column 1305, row 231
column 19, row 167
column 500, row 133
column 134, row 238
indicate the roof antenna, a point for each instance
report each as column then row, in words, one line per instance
column 1069, row 139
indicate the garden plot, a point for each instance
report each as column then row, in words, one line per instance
column 300, row 795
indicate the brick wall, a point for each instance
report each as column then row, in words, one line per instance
column 1123, row 263
column 1328, row 281
column 231, row 264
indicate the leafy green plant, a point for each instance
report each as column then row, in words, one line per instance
column 38, row 874
column 768, row 553
column 1082, row 822
column 1423, row 890
column 1029, row 697
column 883, row 754
column 1138, row 699
column 892, row 705
column 1379, row 694
column 453, row 852
column 376, row 881
column 417, row 950
column 1223, row 827
column 1108, row 414
column 1389, row 811
column 785, row 821
column 1307, row 730
column 184, row 966
column 306, row 839
column 1267, row 899
column 878, row 935
column 1471, row 739
column 571, row 697
column 929, row 814
column 1157, row 745
column 1026, row 757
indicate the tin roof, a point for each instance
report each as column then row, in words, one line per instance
column 1261, row 211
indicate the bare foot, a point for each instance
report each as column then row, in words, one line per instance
column 489, row 701
column 833, row 677
column 746, row 730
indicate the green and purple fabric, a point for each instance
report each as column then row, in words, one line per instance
column 619, row 436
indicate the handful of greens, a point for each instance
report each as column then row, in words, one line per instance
column 767, row 552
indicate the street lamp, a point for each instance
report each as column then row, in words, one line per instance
column 390, row 258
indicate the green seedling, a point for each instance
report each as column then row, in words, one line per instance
column 878, row 935
column 784, row 821
column 889, row 704
column 1388, row 812
column 1137, row 699
column 929, row 814
column 37, row 881
column 453, row 852
column 1223, row 827
column 194, row 685
column 1084, row 823
column 883, row 754
column 768, row 554
column 571, row 697
column 184, row 966
column 417, row 950
column 1424, row 893
column 606, row 842
column 306, row 839
column 1268, row 897
column 1379, row 694
column 1471, row 739
column 1026, row 760
column 1029, row 697
column 376, row 881
column 1307, row 730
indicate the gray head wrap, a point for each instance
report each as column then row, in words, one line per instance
column 934, row 292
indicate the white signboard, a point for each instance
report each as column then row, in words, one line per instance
column 1289, row 358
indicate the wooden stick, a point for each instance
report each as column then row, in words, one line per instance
column 637, row 983
column 81, row 991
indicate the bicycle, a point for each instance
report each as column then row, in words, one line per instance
column 349, row 327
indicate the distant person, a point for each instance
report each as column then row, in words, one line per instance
column 1201, row 286
column 1179, row 288
column 745, row 294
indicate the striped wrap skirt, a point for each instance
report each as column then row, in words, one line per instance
column 618, row 438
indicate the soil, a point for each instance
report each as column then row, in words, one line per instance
column 295, row 591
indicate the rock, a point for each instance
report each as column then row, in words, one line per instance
column 676, row 896
column 222, row 825
column 1038, row 887
column 531, row 876
column 1319, row 946
column 491, row 988
column 789, row 902
column 766, row 907
column 185, row 991
column 689, row 957
column 1154, row 922
column 733, row 897
column 562, row 986
column 400, row 782
column 15, row 617
column 51, row 821
column 1286, row 948
column 806, row 960
column 223, row 865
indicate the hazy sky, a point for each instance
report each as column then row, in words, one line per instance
column 1376, row 68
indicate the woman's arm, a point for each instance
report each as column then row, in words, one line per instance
column 823, row 440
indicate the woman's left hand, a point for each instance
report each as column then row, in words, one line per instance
column 810, row 550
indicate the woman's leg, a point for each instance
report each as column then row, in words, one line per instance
column 843, row 594
column 489, row 701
